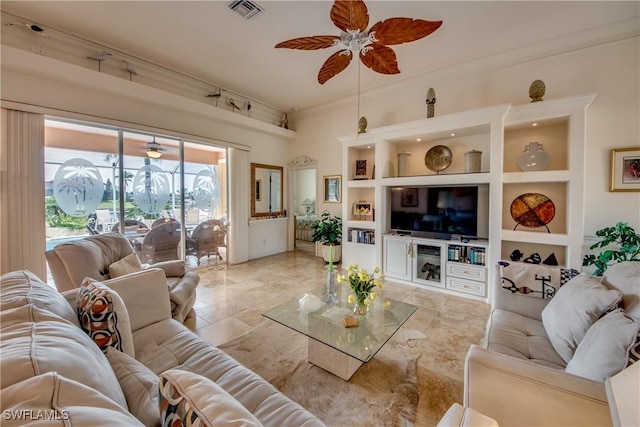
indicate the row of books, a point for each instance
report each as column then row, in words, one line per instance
column 362, row 236
column 470, row 254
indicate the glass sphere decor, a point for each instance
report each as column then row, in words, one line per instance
column 534, row 158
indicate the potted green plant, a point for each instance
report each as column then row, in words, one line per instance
column 621, row 235
column 328, row 231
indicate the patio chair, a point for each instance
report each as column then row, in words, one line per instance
column 207, row 238
column 161, row 221
column 160, row 243
column 96, row 256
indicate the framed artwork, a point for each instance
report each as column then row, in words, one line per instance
column 362, row 208
column 258, row 188
column 625, row 169
column 409, row 198
column 332, row 188
column 361, row 169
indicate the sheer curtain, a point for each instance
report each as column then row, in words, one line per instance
column 22, row 220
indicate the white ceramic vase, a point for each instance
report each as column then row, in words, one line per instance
column 534, row 158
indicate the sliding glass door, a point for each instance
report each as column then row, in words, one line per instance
column 166, row 195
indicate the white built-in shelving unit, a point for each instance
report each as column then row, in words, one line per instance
column 500, row 132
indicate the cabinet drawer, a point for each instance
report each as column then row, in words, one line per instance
column 466, row 271
column 466, row 286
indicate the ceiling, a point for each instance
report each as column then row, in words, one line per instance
column 207, row 40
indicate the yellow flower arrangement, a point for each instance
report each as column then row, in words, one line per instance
column 362, row 284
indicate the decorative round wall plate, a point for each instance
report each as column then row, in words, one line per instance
column 438, row 158
column 532, row 210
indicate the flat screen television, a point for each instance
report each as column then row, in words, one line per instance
column 440, row 211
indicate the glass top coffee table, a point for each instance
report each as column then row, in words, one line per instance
column 332, row 346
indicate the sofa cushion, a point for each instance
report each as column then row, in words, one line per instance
column 32, row 343
column 605, row 349
column 195, row 400
column 461, row 416
column 20, row 288
column 625, row 277
column 104, row 317
column 51, row 399
column 576, row 306
column 168, row 344
column 139, row 385
column 521, row 337
column 127, row 265
column 172, row 268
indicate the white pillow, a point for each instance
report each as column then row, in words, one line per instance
column 604, row 351
column 196, row 400
column 127, row 265
column 576, row 306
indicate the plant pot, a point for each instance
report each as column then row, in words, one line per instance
column 336, row 253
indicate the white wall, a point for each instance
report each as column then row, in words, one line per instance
column 610, row 70
column 41, row 84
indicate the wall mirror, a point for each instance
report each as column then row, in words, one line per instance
column 266, row 190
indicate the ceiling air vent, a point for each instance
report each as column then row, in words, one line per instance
column 246, row 8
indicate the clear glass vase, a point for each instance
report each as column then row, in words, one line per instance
column 331, row 290
column 359, row 307
column 534, row 158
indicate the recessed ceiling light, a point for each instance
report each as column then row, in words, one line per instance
column 453, row 134
column 368, row 146
column 534, row 124
column 418, row 139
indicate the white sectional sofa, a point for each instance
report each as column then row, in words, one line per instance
column 544, row 361
column 52, row 371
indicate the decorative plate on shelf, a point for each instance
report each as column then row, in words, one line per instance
column 532, row 210
column 438, row 158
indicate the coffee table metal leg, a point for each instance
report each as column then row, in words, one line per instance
column 332, row 360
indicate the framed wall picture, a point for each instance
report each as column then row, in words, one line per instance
column 332, row 188
column 625, row 169
column 409, row 197
column 362, row 208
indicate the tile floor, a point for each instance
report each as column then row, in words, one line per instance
column 230, row 302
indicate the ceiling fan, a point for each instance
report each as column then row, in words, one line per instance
column 352, row 17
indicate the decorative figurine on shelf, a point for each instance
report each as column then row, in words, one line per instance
column 362, row 124
column 284, row 123
column 431, row 102
column 537, row 90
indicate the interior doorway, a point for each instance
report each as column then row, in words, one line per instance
column 304, row 207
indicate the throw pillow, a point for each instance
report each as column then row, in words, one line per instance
column 127, row 265
column 191, row 399
column 606, row 347
column 625, row 277
column 533, row 280
column 576, row 306
column 104, row 317
column 139, row 385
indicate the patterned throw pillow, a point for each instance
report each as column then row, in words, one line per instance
column 103, row 316
column 533, row 280
column 189, row 399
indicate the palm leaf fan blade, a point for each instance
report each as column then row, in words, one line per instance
column 350, row 15
column 333, row 65
column 381, row 59
column 309, row 43
column 403, row 30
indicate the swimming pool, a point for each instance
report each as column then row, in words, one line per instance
column 54, row 241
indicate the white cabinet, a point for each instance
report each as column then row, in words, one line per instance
column 453, row 266
column 397, row 257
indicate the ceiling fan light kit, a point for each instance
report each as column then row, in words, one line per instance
column 352, row 17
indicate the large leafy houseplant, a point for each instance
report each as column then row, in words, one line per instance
column 622, row 235
column 327, row 230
